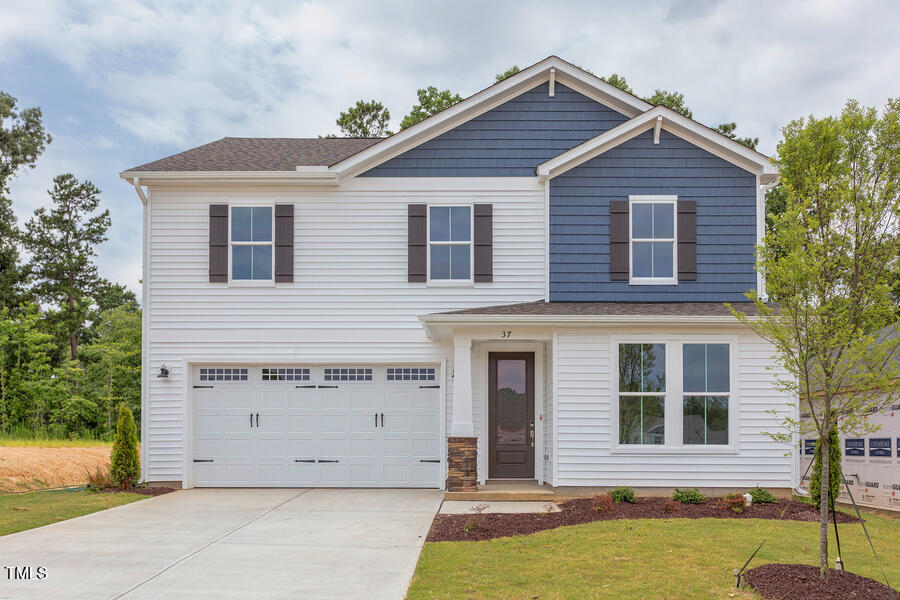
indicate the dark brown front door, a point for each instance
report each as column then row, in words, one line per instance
column 511, row 414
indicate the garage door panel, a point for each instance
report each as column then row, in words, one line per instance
column 316, row 424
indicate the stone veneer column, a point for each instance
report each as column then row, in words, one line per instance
column 462, row 464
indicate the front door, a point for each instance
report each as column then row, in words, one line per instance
column 511, row 415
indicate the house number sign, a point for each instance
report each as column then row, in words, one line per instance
column 506, row 334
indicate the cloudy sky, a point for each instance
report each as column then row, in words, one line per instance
column 123, row 82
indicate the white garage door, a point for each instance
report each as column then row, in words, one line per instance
column 296, row 426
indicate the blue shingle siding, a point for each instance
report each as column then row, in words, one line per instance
column 726, row 221
column 510, row 140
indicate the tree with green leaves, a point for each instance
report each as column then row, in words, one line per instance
column 834, row 465
column 365, row 119
column 618, row 81
column 431, row 102
column 112, row 362
column 62, row 244
column 673, row 100
column 727, row 129
column 829, row 260
column 125, row 461
column 506, row 74
column 22, row 140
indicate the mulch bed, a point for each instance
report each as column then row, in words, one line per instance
column 474, row 527
column 145, row 490
column 801, row 582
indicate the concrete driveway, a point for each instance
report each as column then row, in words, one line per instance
column 230, row 543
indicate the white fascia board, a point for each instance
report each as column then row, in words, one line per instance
column 437, row 326
column 673, row 122
column 304, row 177
column 483, row 101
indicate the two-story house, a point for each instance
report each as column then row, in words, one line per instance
column 527, row 285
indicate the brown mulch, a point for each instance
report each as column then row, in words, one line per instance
column 145, row 490
column 473, row 527
column 801, row 582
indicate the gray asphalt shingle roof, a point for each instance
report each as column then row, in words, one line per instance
column 261, row 154
column 541, row 308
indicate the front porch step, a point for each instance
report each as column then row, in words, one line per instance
column 506, row 491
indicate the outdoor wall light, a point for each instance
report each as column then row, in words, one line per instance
column 163, row 372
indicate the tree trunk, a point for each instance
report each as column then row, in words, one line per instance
column 825, row 449
column 73, row 340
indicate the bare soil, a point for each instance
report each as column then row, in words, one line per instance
column 473, row 527
column 801, row 582
column 25, row 468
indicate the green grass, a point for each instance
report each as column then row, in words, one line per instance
column 19, row 512
column 643, row 558
column 52, row 442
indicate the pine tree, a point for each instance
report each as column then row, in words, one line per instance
column 125, row 463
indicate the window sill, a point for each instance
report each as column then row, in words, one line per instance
column 639, row 450
column 251, row 283
column 652, row 281
column 461, row 283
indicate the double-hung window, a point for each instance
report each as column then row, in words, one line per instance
column 642, row 393
column 652, row 239
column 706, row 389
column 450, row 243
column 251, row 243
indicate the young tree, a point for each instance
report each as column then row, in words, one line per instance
column 61, row 242
column 125, row 461
column 431, row 101
column 365, row 119
column 22, row 140
column 829, row 260
column 834, row 466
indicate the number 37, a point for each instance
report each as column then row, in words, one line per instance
column 506, row 334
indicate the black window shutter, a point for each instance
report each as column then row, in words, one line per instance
column 484, row 242
column 284, row 243
column 218, row 243
column 417, row 241
column 618, row 240
column 687, row 240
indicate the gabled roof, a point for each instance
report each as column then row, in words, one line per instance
column 260, row 154
column 673, row 122
column 561, row 71
column 599, row 309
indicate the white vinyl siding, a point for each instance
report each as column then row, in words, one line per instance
column 587, row 453
column 350, row 302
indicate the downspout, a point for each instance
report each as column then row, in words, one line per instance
column 145, row 309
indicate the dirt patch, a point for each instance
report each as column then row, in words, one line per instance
column 33, row 467
column 473, row 527
column 801, row 582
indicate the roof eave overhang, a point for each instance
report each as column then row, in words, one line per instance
column 323, row 177
column 673, row 122
column 439, row 327
column 483, row 101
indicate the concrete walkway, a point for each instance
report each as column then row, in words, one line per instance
column 224, row 544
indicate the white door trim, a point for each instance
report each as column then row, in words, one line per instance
column 485, row 348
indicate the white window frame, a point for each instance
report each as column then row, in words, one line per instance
column 665, row 396
column 727, row 394
column 471, row 243
column 674, row 403
column 250, row 282
column 632, row 279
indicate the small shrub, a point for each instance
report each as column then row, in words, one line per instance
column 622, row 494
column 762, row 496
column 670, row 507
column 98, row 479
column 735, row 502
column 688, row 496
column 479, row 508
column 125, row 462
column 603, row 502
column 471, row 525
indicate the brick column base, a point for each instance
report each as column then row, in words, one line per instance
column 462, row 464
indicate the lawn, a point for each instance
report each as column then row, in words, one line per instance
column 52, row 442
column 672, row 558
column 19, row 512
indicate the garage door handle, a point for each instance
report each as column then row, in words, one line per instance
column 429, row 387
column 382, row 419
column 431, row 460
column 251, row 419
column 257, row 419
column 328, row 461
column 305, row 460
column 376, row 419
column 203, row 460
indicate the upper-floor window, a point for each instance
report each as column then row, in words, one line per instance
column 450, row 243
column 653, row 239
column 251, row 243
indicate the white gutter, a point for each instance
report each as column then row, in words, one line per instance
column 145, row 319
column 302, row 176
